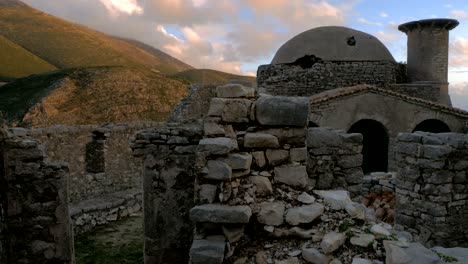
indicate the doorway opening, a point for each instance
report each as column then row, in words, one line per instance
column 375, row 145
column 432, row 126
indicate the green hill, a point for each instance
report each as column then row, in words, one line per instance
column 17, row 62
column 90, row 96
column 206, row 76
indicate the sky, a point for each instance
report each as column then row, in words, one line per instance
column 237, row 36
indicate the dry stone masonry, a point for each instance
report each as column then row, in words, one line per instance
column 35, row 225
column 432, row 187
column 169, row 155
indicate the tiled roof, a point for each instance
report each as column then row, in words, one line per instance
column 359, row 89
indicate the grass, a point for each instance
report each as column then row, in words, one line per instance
column 206, row 76
column 121, row 242
column 444, row 257
column 17, row 62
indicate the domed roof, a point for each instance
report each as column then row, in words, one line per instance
column 333, row 44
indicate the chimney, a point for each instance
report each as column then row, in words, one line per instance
column 428, row 46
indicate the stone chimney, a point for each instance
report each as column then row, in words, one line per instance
column 428, row 46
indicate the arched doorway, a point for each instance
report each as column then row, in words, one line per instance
column 375, row 145
column 432, row 126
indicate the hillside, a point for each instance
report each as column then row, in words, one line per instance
column 206, row 76
column 68, row 45
column 17, row 62
column 90, row 96
column 168, row 65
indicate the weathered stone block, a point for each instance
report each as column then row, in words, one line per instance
column 304, row 214
column 239, row 161
column 321, row 137
column 259, row 157
column 207, row 252
column 292, row 175
column 262, row 184
column 271, row 213
column 208, row 193
column 260, row 140
column 280, row 110
column 217, row 146
column 218, row 170
column 350, row 161
column 223, row 214
column 277, row 156
column 236, row 110
column 298, row 154
column 332, row 241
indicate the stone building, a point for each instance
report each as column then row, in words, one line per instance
column 356, row 85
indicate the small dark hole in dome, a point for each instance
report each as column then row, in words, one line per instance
column 351, row 41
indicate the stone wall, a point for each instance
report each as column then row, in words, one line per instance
column 426, row 91
column 195, row 106
column 169, row 177
column 293, row 80
column 335, row 159
column 432, row 187
column 93, row 172
column 35, row 226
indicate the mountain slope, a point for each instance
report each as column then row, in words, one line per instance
column 169, row 64
column 17, row 62
column 206, row 76
column 90, row 96
column 68, row 45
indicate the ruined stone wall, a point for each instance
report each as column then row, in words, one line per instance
column 293, row 80
column 426, row 91
column 335, row 159
column 35, row 222
column 93, row 175
column 432, row 187
column 169, row 177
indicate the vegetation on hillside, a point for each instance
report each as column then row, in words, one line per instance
column 206, row 76
column 16, row 62
column 90, row 96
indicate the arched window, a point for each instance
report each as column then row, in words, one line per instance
column 375, row 145
column 432, row 126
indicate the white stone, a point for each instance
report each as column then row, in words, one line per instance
column 380, row 231
column 336, row 199
column 292, row 175
column 306, row 198
column 361, row 261
column 332, row 241
column 314, row 256
column 262, row 184
column 356, row 210
column 304, row 214
column 363, row 240
column 271, row 213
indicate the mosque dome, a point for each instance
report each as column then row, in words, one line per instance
column 333, row 44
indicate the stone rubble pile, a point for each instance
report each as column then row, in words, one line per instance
column 383, row 203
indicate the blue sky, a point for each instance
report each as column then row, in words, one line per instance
column 238, row 35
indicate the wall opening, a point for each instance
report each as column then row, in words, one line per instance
column 313, row 124
column 375, row 145
column 95, row 158
column 432, row 126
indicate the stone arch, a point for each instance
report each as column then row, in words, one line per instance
column 375, row 144
column 432, row 126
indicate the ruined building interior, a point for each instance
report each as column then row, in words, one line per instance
column 276, row 172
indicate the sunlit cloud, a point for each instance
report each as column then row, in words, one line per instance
column 117, row 7
column 383, row 14
column 459, row 52
column 459, row 14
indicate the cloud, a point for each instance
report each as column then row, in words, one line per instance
column 117, row 7
column 383, row 14
column 459, row 52
column 459, row 14
column 367, row 22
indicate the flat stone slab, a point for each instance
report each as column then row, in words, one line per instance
column 260, row 140
column 207, row 252
column 216, row 146
column 304, row 214
column 225, row 214
column 332, row 241
column 271, row 213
